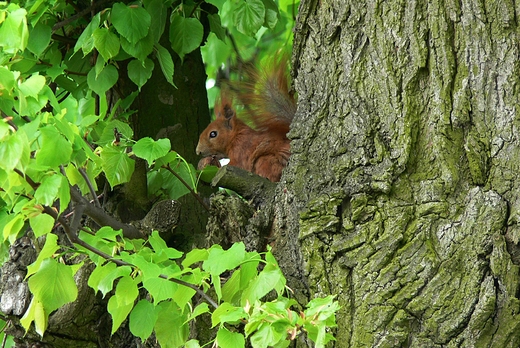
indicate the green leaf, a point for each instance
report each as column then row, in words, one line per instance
column 271, row 13
column 140, row 72
column 64, row 194
column 7, row 79
column 150, row 149
column 120, row 305
column 159, row 246
column 216, row 26
column 132, row 22
column 141, row 49
column 266, row 281
column 228, row 339
column 106, row 283
column 35, row 313
column 220, row 261
column 199, row 310
column 12, row 228
column 160, row 289
column 107, row 136
column 41, row 224
column 118, row 167
column 32, row 86
column 106, row 78
column 47, row 192
column 51, row 140
column 227, row 313
column 14, row 33
column 53, row 285
column 48, row 250
column 106, row 42
column 195, row 255
column 86, row 39
column 39, row 38
column 11, row 151
column 100, row 273
column 142, row 319
column 249, row 16
column 170, row 328
column 166, row 63
column 159, row 12
column 185, row 34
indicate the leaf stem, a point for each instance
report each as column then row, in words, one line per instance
column 197, row 197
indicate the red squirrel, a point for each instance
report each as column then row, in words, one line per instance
column 269, row 107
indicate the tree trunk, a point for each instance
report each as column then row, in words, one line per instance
column 401, row 195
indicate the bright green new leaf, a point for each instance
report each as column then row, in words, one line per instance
column 117, row 165
column 132, row 22
column 122, row 302
column 12, row 228
column 106, row 280
column 106, row 42
column 159, row 245
column 104, row 80
column 64, row 194
column 160, row 289
column 249, row 16
column 47, row 192
column 200, row 309
column 140, row 72
column 4, row 127
column 32, row 86
column 195, row 255
column 51, row 140
column 35, row 313
column 100, row 273
column 266, row 281
column 142, row 319
column 170, row 328
column 11, row 151
column 150, row 149
column 53, row 284
column 220, row 261
column 14, row 33
column 166, row 62
column 183, row 295
column 228, row 339
column 48, row 250
column 185, row 34
column 192, row 344
column 41, row 224
column 227, row 313
column 7, row 79
column 39, row 38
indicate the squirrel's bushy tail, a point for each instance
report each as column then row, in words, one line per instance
column 265, row 95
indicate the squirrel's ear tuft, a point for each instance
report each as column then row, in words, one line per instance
column 228, row 111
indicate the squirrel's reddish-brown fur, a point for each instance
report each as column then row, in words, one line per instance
column 269, row 107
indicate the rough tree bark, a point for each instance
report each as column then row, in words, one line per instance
column 401, row 195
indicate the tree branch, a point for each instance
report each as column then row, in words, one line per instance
column 246, row 184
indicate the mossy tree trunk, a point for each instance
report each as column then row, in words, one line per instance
column 402, row 192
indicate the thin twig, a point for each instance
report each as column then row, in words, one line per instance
column 74, row 239
column 197, row 197
column 90, row 186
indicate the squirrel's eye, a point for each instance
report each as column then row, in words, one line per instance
column 213, row 134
